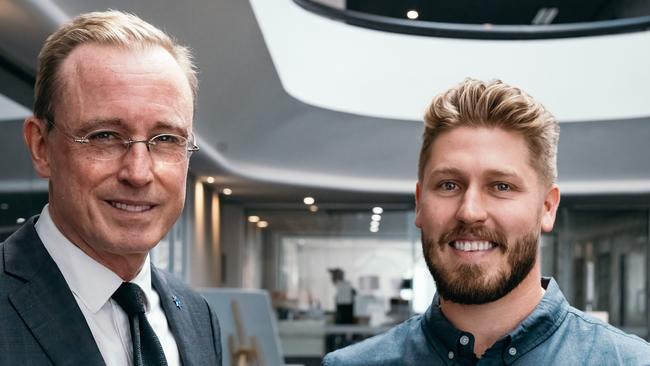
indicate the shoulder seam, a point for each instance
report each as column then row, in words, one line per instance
column 605, row 326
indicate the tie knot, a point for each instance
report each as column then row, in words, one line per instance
column 130, row 297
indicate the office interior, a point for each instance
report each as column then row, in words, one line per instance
column 309, row 122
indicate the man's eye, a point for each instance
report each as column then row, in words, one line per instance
column 104, row 136
column 502, row 187
column 449, row 186
column 170, row 139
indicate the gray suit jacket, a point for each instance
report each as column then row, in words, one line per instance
column 41, row 323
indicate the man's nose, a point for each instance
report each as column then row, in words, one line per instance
column 137, row 165
column 472, row 208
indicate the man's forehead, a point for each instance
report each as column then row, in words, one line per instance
column 476, row 139
column 100, row 73
column 94, row 59
column 453, row 170
column 493, row 151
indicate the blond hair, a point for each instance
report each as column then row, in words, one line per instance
column 494, row 104
column 112, row 28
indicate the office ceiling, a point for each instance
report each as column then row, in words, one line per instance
column 270, row 145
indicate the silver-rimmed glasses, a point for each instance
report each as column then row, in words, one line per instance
column 105, row 144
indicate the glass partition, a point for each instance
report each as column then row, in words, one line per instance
column 607, row 270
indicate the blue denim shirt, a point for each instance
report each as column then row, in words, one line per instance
column 553, row 334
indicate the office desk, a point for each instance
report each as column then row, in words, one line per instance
column 306, row 338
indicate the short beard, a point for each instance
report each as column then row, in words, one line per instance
column 467, row 283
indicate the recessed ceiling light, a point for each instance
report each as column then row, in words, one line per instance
column 374, row 223
column 209, row 180
column 262, row 224
column 227, row 191
column 412, row 14
column 377, row 210
column 374, row 229
column 406, row 294
column 308, row 200
column 20, row 220
column 313, row 208
column 253, row 218
column 376, row 217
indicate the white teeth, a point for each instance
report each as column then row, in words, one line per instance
column 468, row 246
column 130, row 208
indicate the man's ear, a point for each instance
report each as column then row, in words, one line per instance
column 551, row 202
column 35, row 135
column 417, row 204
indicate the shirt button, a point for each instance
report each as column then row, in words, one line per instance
column 512, row 351
column 464, row 340
column 451, row 355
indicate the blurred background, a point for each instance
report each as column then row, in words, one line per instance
column 309, row 123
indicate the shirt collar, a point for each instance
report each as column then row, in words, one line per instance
column 536, row 328
column 543, row 321
column 445, row 338
column 90, row 281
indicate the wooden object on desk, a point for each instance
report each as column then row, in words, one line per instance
column 243, row 352
column 248, row 328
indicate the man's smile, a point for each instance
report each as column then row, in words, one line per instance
column 472, row 245
column 131, row 207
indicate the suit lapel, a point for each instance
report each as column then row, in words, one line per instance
column 179, row 318
column 45, row 302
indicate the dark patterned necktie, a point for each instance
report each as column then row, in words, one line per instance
column 147, row 350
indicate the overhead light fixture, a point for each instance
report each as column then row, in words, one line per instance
column 374, row 223
column 377, row 210
column 209, row 180
column 412, row 14
column 253, row 219
column 374, row 229
column 545, row 16
column 308, row 200
column 376, row 217
column 227, row 191
column 262, row 224
column 313, row 208
column 20, row 220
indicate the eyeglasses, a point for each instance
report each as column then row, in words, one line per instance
column 105, row 144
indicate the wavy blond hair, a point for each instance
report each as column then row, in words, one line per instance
column 494, row 104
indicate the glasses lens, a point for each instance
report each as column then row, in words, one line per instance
column 169, row 148
column 105, row 145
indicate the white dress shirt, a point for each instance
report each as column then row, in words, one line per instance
column 92, row 285
column 344, row 293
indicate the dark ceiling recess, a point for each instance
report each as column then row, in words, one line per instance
column 16, row 82
column 504, row 12
column 492, row 19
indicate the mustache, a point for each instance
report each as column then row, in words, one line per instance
column 481, row 232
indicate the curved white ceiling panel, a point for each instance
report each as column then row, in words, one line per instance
column 345, row 68
column 10, row 110
column 275, row 174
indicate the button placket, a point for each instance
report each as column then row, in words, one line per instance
column 510, row 353
column 464, row 340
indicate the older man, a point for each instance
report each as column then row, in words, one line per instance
column 486, row 190
column 112, row 131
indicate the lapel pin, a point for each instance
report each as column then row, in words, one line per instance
column 177, row 301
